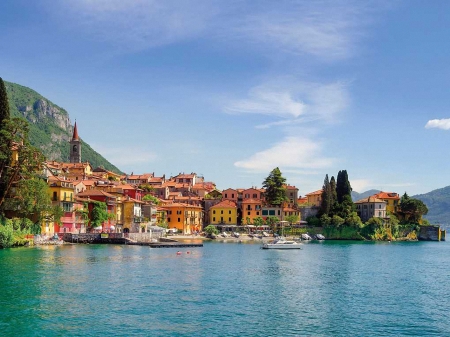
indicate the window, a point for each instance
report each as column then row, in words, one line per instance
column 55, row 196
column 271, row 212
column 379, row 206
column 214, row 211
column 248, row 213
column 247, row 196
column 226, row 196
column 221, row 212
column 229, row 219
column 67, row 207
column 214, row 219
column 278, row 212
column 232, row 196
column 179, row 220
column 255, row 195
column 265, row 212
column 168, row 219
column 257, row 213
column 64, row 195
column 379, row 214
column 221, row 219
column 229, row 212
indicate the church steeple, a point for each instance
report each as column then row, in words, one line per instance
column 75, row 146
column 75, row 132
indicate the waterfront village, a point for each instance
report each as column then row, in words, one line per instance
column 185, row 203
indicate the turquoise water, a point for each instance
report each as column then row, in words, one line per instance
column 227, row 289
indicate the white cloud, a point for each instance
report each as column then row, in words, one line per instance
column 360, row 185
column 443, row 124
column 291, row 153
column 294, row 101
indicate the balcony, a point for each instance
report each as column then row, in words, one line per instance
column 138, row 219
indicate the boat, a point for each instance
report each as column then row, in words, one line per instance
column 236, row 234
column 265, row 234
column 320, row 237
column 305, row 237
column 282, row 243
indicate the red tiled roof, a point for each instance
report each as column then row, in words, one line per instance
column 91, row 193
column 387, row 195
column 225, row 204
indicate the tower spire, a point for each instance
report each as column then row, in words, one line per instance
column 75, row 132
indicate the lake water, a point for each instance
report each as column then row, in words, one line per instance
column 227, row 289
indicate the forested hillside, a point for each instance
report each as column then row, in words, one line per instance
column 50, row 127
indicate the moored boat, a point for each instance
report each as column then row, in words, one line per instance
column 282, row 243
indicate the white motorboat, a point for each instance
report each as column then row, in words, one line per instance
column 282, row 243
column 305, row 237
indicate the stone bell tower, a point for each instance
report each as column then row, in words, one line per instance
column 75, row 146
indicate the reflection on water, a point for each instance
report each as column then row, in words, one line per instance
column 328, row 289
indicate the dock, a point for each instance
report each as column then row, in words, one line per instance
column 122, row 239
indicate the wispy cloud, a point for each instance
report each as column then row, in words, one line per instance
column 443, row 124
column 140, row 24
column 362, row 185
column 327, row 29
column 290, row 153
column 293, row 101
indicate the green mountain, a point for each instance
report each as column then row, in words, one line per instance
column 358, row 196
column 50, row 128
column 438, row 203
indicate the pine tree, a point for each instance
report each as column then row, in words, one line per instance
column 325, row 206
column 4, row 105
column 275, row 191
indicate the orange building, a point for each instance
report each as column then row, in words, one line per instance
column 251, row 209
column 185, row 218
column 314, row 198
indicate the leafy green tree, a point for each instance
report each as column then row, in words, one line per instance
column 326, row 203
column 14, row 133
column 325, row 220
column 99, row 213
column 6, row 233
column 31, row 200
column 274, row 185
column 337, row 221
column 313, row 221
column 248, row 221
column 211, row 229
column 271, row 221
column 353, row 220
column 258, row 222
column 412, row 209
column 292, row 219
column 151, row 198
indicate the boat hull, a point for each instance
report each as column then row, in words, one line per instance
column 281, row 246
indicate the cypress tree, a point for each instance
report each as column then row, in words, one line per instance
column 333, row 198
column 325, row 205
column 4, row 105
column 343, row 187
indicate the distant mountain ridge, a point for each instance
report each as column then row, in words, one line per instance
column 358, row 196
column 437, row 201
column 50, row 127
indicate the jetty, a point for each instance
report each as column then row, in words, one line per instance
column 132, row 239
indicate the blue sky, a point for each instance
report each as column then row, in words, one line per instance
column 232, row 89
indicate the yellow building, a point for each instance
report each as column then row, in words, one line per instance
column 392, row 200
column 314, row 198
column 185, row 218
column 132, row 215
column 62, row 194
column 223, row 213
